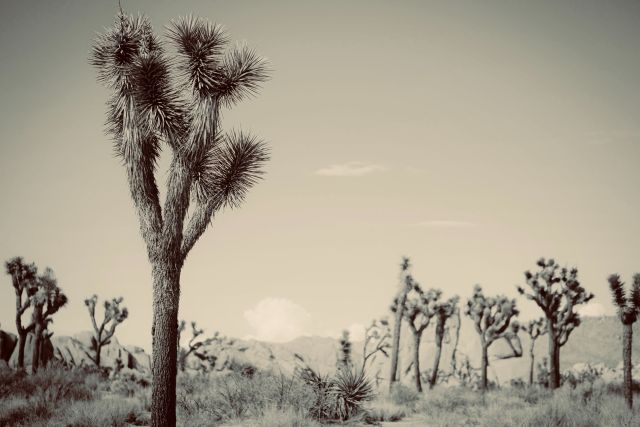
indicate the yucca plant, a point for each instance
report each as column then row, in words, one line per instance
column 158, row 101
column 351, row 389
column 628, row 310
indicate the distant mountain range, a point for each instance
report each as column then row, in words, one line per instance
column 596, row 341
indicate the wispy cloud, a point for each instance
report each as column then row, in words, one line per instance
column 445, row 223
column 354, row 168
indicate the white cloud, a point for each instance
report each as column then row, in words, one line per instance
column 445, row 224
column 592, row 309
column 354, row 168
column 277, row 320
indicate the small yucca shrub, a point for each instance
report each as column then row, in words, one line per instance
column 352, row 389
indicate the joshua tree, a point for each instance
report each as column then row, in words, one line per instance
column 444, row 311
column 492, row 318
column 23, row 278
column 151, row 105
column 456, row 338
column 113, row 316
column 557, row 292
column 344, row 352
column 47, row 299
column 376, row 339
column 534, row 328
column 628, row 311
column 419, row 308
column 406, row 283
column 198, row 347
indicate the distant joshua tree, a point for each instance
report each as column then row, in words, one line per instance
column 444, row 311
column 628, row 311
column 557, row 292
column 198, row 347
column 406, row 284
column 419, row 308
column 23, row 278
column 344, row 352
column 47, row 298
column 534, row 328
column 152, row 107
column 376, row 340
column 492, row 318
column 113, row 316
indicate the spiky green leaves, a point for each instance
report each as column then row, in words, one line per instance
column 230, row 169
column 628, row 305
column 207, row 71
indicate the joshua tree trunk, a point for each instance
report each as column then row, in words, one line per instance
column 626, row 358
column 416, row 360
column 37, row 338
column 22, row 340
column 166, row 296
column 531, row 361
column 554, row 358
column 395, row 345
column 436, row 361
column 485, row 364
column 98, row 351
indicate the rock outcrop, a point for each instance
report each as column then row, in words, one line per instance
column 8, row 343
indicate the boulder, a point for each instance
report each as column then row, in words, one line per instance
column 8, row 342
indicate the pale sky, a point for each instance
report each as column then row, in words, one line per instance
column 472, row 136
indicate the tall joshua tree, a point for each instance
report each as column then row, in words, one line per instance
column 492, row 318
column 628, row 311
column 113, row 316
column 419, row 308
column 534, row 328
column 557, row 292
column 444, row 311
column 47, row 299
column 23, row 278
column 406, row 284
column 344, row 362
column 152, row 105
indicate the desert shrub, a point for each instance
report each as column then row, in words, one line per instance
column 14, row 383
column 129, row 382
column 19, row 411
column 110, row 412
column 54, row 384
column 207, row 400
column 403, row 395
column 384, row 409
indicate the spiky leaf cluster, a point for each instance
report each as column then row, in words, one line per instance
column 419, row 307
column 178, row 101
column 492, row 316
column 557, row 291
column 628, row 304
column 535, row 328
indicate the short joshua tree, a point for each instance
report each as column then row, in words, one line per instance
column 492, row 318
column 557, row 292
column 23, row 279
column 444, row 311
column 113, row 316
column 376, row 340
column 534, row 329
column 418, row 309
column 198, row 347
column 628, row 311
column 344, row 361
